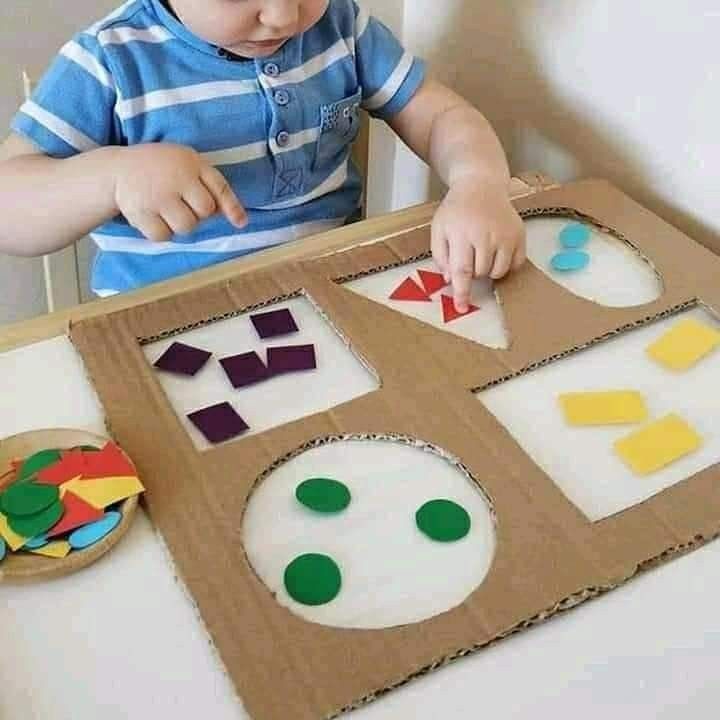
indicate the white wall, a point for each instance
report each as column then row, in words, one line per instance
column 629, row 91
column 31, row 32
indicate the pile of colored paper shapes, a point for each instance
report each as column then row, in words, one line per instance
column 573, row 238
column 221, row 422
column 58, row 501
column 430, row 284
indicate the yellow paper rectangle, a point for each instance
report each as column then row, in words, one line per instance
column 613, row 407
column 14, row 541
column 684, row 345
column 102, row 492
column 658, row 444
column 57, row 549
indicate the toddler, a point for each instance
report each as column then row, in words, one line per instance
column 182, row 133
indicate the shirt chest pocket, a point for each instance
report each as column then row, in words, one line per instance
column 339, row 126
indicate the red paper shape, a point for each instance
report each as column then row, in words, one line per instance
column 450, row 312
column 108, row 462
column 77, row 513
column 71, row 465
column 410, row 290
column 431, row 281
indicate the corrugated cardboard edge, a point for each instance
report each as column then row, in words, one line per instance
column 610, row 552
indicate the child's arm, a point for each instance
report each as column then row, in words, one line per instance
column 476, row 231
column 47, row 204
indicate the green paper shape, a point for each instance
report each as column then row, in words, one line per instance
column 3, row 549
column 37, row 462
column 323, row 495
column 86, row 448
column 443, row 521
column 31, row 525
column 313, row 579
column 28, row 498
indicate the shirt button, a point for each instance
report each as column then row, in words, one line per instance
column 283, row 138
column 282, row 98
column 271, row 70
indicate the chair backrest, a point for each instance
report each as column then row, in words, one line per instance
column 361, row 155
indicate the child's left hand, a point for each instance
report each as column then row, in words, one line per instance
column 476, row 232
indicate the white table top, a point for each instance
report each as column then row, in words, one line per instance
column 122, row 639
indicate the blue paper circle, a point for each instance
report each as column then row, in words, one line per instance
column 36, row 543
column 3, row 549
column 574, row 235
column 570, row 260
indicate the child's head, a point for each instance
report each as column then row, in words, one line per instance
column 253, row 28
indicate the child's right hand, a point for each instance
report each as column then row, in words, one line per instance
column 164, row 190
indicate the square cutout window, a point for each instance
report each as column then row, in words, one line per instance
column 340, row 375
column 582, row 460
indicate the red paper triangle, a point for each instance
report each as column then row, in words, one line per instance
column 108, row 462
column 451, row 313
column 77, row 513
column 71, row 465
column 431, row 281
column 410, row 290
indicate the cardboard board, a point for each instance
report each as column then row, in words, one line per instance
column 549, row 556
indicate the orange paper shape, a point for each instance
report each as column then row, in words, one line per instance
column 71, row 466
column 108, row 462
column 450, row 312
column 77, row 513
column 431, row 281
column 410, row 290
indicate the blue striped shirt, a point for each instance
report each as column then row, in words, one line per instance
column 279, row 128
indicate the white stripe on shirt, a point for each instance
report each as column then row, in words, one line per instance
column 57, row 126
column 123, row 35
column 361, row 23
column 80, row 56
column 256, row 150
column 330, row 184
column 226, row 244
column 392, row 85
column 312, row 67
column 95, row 28
column 182, row 95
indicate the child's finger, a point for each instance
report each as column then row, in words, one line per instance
column 440, row 250
column 226, row 200
column 462, row 270
column 152, row 226
column 484, row 261
column 501, row 266
column 179, row 217
column 519, row 258
column 200, row 201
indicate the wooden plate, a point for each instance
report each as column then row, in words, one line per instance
column 22, row 567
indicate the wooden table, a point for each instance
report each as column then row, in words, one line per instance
column 120, row 640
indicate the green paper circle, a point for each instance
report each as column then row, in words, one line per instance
column 32, row 525
column 37, row 462
column 313, row 579
column 323, row 495
column 443, row 521
column 28, row 498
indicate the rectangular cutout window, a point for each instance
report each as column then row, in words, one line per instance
column 266, row 402
column 582, row 461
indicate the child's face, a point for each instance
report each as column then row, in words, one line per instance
column 253, row 28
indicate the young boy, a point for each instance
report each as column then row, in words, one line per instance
column 182, row 133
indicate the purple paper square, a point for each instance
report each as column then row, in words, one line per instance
column 183, row 359
column 291, row 358
column 274, row 323
column 218, row 422
column 245, row 369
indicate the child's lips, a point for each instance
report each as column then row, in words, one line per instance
column 266, row 43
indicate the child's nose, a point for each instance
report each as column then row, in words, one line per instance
column 280, row 14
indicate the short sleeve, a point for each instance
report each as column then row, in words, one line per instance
column 390, row 75
column 72, row 110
